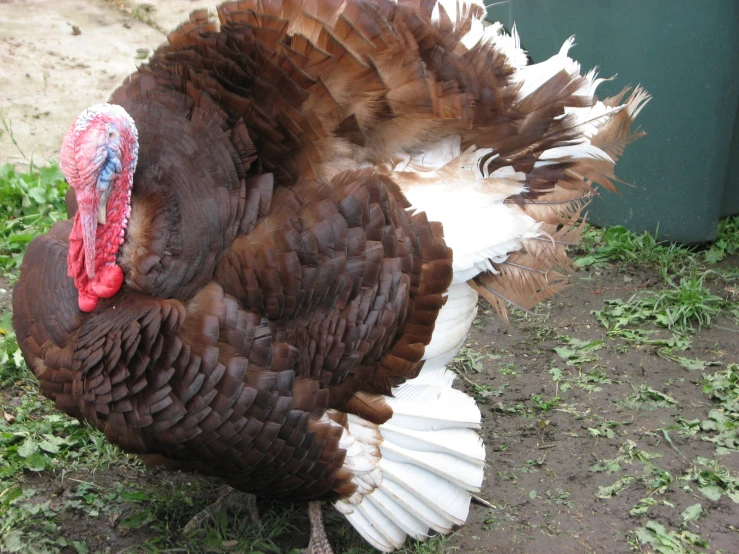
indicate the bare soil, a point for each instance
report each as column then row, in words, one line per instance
column 565, row 515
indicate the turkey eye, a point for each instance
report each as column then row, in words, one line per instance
column 112, row 135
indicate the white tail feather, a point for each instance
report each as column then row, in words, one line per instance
column 429, row 457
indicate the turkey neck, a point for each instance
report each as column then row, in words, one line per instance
column 191, row 195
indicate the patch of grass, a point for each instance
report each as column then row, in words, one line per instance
column 593, row 380
column 532, row 466
column 645, row 337
column 721, row 426
column 510, row 369
column 25, row 523
column 727, row 241
column 35, row 437
column 30, row 203
column 617, row 244
column 678, row 308
column 12, row 366
column 616, row 488
column 723, row 388
column 610, row 465
column 691, row 364
column 642, row 506
column 633, row 453
column 28, row 519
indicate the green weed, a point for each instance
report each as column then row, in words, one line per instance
column 33, row 527
column 669, row 542
column 645, row 397
column 679, row 308
column 12, row 366
column 642, row 506
column 723, row 421
column 30, row 203
column 721, row 427
column 610, row 465
column 691, row 364
column 727, row 241
column 593, row 380
column 543, row 405
column 617, row 244
column 604, row 430
column 578, row 352
column 483, row 392
column 470, row 360
column 713, row 480
column 35, row 437
column 616, row 488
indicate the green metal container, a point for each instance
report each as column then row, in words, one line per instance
column 685, row 172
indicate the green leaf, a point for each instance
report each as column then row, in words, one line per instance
column 36, row 462
column 51, row 446
column 556, row 374
column 715, row 254
column 642, row 506
column 586, row 261
column 608, row 466
column 28, row 447
column 692, row 513
column 532, row 494
column 80, row 547
column 131, row 496
column 14, row 542
column 712, row 492
column 137, row 520
column 38, row 194
column 615, row 489
column 691, row 364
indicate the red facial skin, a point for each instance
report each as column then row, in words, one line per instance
column 103, row 135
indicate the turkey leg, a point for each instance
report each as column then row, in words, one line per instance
column 318, row 541
column 229, row 499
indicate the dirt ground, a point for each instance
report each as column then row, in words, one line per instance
column 565, row 515
column 58, row 57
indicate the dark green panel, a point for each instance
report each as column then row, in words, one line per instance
column 730, row 205
column 686, row 53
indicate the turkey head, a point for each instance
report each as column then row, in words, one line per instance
column 98, row 158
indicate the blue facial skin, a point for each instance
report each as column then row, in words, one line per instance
column 112, row 167
column 109, row 156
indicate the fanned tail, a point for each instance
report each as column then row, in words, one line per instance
column 511, row 203
column 415, row 472
column 510, row 192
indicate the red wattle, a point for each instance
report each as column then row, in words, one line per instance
column 107, row 281
column 86, row 302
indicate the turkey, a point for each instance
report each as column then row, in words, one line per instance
column 279, row 228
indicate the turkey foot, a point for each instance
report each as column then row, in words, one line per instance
column 229, row 499
column 318, row 542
